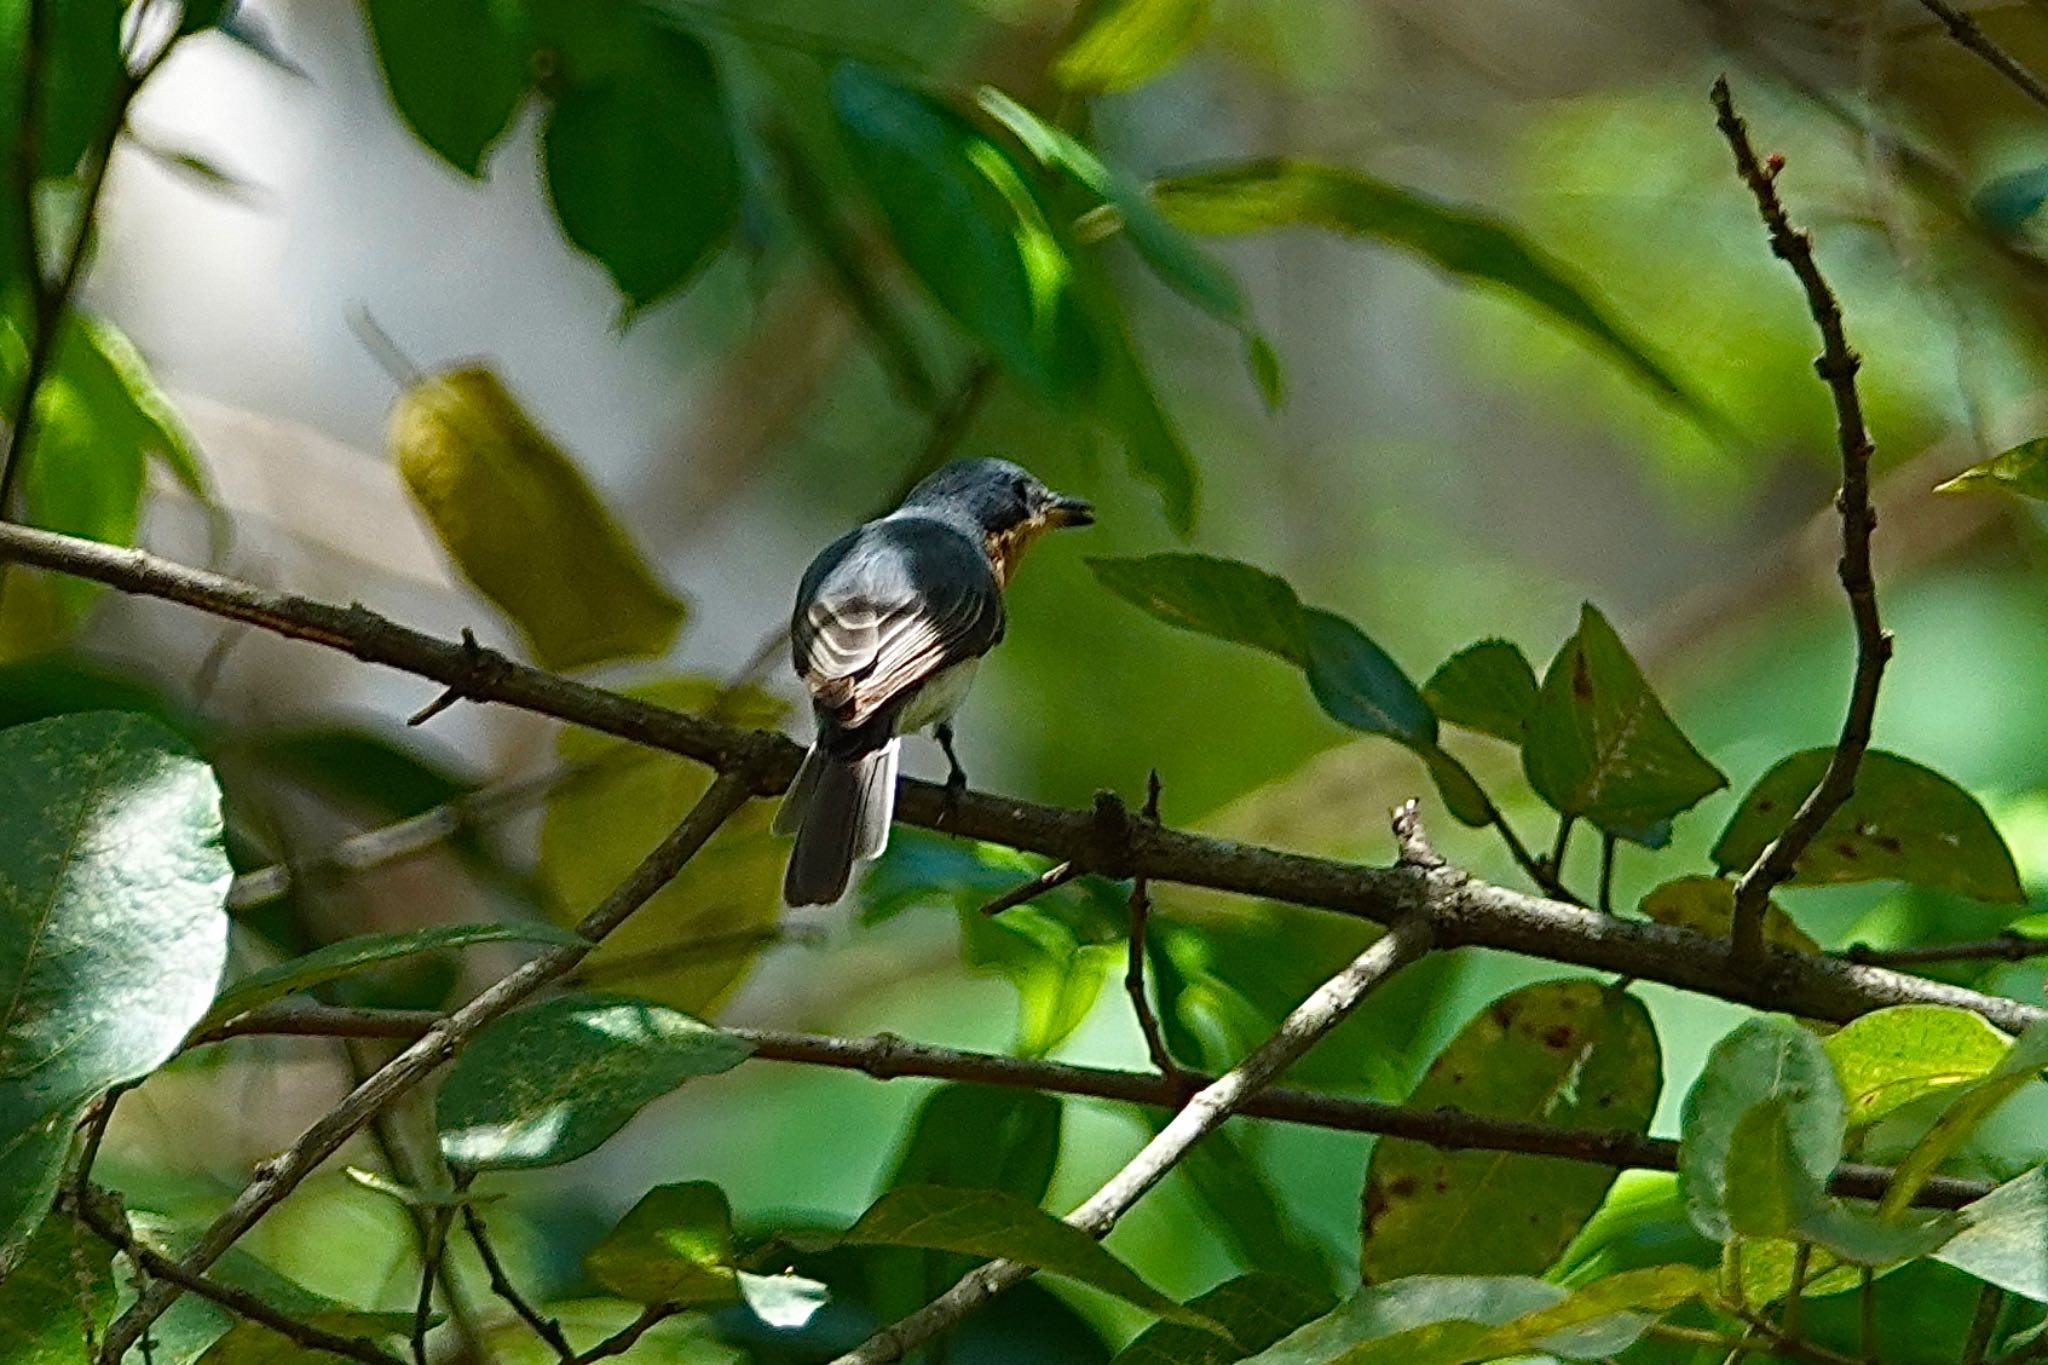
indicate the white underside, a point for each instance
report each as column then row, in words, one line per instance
column 938, row 698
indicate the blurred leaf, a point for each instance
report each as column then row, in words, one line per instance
column 113, row 379
column 1355, row 682
column 969, row 226
column 1891, row 1057
column 1125, row 402
column 81, row 79
column 202, row 14
column 551, row 1082
column 681, row 1340
column 1183, row 266
column 696, row 938
column 1488, row 687
column 457, row 70
column 1221, row 597
column 2007, row 202
column 1258, row 1309
column 1765, row 1062
column 1259, row 195
column 1130, row 41
column 983, row 1137
column 1244, row 1211
column 1056, row 964
column 1462, row 794
column 112, row 933
column 676, row 1246
column 1566, row 1053
column 1706, row 905
column 58, row 1297
column 1603, row 747
column 642, row 169
column 1969, row 1107
column 2023, row 470
column 990, row 1223
column 1903, row 822
column 2002, row 1237
column 524, row 526
column 1455, row 1319
column 1767, row 1191
column 1868, row 1239
column 352, row 955
column 361, row 769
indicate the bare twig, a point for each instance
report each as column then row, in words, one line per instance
column 546, row 1328
column 1966, row 31
column 435, row 1246
column 1837, row 366
column 1054, row 877
column 280, row 1176
column 1134, row 964
column 1309, row 1023
column 627, row 1337
column 1983, row 1322
column 1468, row 912
column 2006, row 947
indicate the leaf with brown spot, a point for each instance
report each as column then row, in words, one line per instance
column 1706, row 905
column 1569, row 1053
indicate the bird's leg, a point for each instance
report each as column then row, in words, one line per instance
column 956, row 776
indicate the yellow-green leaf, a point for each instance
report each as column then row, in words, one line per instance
column 1129, row 42
column 1705, row 905
column 1892, row 1057
column 2022, row 470
column 524, row 526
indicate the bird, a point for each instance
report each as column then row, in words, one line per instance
column 890, row 622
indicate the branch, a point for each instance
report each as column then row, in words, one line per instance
column 1134, row 962
column 886, row 1057
column 1837, row 365
column 547, row 1329
column 1309, row 1023
column 1965, row 31
column 278, row 1177
column 2006, row 947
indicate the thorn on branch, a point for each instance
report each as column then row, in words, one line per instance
column 1409, row 838
column 483, row 670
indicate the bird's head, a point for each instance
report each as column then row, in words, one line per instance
column 1005, row 502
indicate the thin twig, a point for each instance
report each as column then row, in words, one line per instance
column 627, row 1337
column 430, row 1274
column 1309, row 1023
column 1134, row 963
column 1053, row 878
column 1966, row 31
column 1837, row 366
column 1983, row 1322
column 546, row 1328
column 1866, row 1314
column 1607, row 846
column 2006, row 947
column 278, row 1177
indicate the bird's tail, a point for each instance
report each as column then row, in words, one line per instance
column 839, row 809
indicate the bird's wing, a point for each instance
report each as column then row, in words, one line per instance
column 888, row 607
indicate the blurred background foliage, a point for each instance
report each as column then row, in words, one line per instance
column 413, row 303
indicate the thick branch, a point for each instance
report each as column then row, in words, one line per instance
column 1311, row 1021
column 886, row 1057
column 1468, row 912
column 439, row 1044
column 1837, row 365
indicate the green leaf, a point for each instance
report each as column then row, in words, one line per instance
column 1867, row 1239
column 983, row 1137
column 113, row 379
column 1706, row 905
column 81, row 79
column 1602, row 746
column 696, row 938
column 1221, row 597
column 1891, row 1057
column 1130, row 41
column 1488, row 687
column 1765, row 1063
column 641, row 167
column 1767, row 1190
column 1224, row 1175
column 456, row 69
column 551, row 1082
column 1903, row 822
column 1257, row 1309
column 676, row 1246
column 353, row 955
column 1970, row 1106
column 112, row 933
column 970, row 227
column 1356, row 683
column 2001, row 1237
column 2022, row 470
column 1571, row 1054
column 991, row 1223
column 523, row 525
column 1462, row 794
column 1257, row 196
column 1057, row 966
column 1126, row 404
column 61, row 1290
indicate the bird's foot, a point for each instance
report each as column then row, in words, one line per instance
column 956, row 776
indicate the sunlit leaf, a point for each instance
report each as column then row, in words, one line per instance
column 1891, row 1057
column 353, row 955
column 113, row 379
column 1903, row 822
column 1130, row 41
column 551, row 1082
column 991, row 1223
column 1260, row 195
column 61, row 1289
column 1967, row 1109
column 1602, row 746
column 1258, row 1309
column 1764, row 1064
column 1706, row 905
column 676, row 1246
column 112, row 934
column 2003, row 1235
column 1569, row 1054
column 523, row 524
column 456, row 69
column 2023, row 470
column 641, row 167
column 1057, row 963
column 1488, row 687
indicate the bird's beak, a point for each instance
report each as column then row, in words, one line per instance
column 1063, row 511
